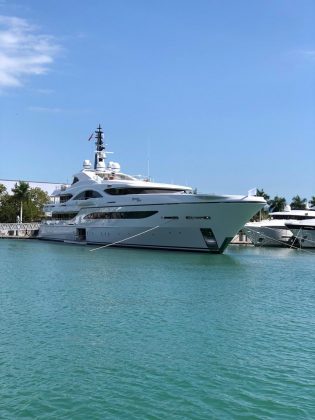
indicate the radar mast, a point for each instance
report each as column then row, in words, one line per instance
column 100, row 154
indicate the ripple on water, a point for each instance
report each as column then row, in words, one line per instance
column 136, row 334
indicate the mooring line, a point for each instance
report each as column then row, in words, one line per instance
column 296, row 239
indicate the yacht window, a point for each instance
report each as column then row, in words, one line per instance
column 198, row 217
column 85, row 195
column 75, row 179
column 63, row 216
column 65, row 197
column 292, row 217
column 139, row 190
column 124, row 177
column 120, row 215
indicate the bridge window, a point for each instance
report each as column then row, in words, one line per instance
column 65, row 197
column 85, row 195
column 63, row 216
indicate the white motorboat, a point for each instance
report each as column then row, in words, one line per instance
column 303, row 232
column 273, row 231
column 108, row 207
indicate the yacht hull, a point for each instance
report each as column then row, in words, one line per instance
column 192, row 226
column 303, row 237
column 268, row 236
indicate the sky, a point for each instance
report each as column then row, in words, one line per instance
column 215, row 94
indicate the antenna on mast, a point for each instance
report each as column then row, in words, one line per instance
column 100, row 155
column 148, row 159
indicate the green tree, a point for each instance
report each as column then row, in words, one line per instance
column 312, row 201
column 21, row 193
column 3, row 190
column 298, row 203
column 8, row 209
column 33, row 208
column 277, row 203
column 262, row 193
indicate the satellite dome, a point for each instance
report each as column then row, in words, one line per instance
column 113, row 166
column 87, row 164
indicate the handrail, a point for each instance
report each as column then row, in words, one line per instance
column 19, row 226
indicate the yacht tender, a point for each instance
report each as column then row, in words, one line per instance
column 274, row 231
column 107, row 207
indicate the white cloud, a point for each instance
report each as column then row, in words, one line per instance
column 45, row 109
column 56, row 110
column 23, row 51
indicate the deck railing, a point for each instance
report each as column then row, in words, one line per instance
column 19, row 226
column 23, row 230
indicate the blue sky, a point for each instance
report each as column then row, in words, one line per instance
column 219, row 94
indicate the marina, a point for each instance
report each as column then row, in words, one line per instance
column 157, row 210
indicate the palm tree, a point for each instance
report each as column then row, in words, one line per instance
column 262, row 214
column 21, row 193
column 277, row 203
column 298, row 203
column 312, row 201
column 261, row 193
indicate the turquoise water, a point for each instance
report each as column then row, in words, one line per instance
column 131, row 334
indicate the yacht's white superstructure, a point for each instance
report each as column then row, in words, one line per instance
column 105, row 206
column 274, row 232
column 303, row 233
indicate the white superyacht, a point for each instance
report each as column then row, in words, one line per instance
column 107, row 207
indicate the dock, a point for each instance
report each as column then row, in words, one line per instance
column 241, row 239
column 19, row 230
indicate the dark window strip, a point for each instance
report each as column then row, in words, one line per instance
column 129, row 191
column 120, row 215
